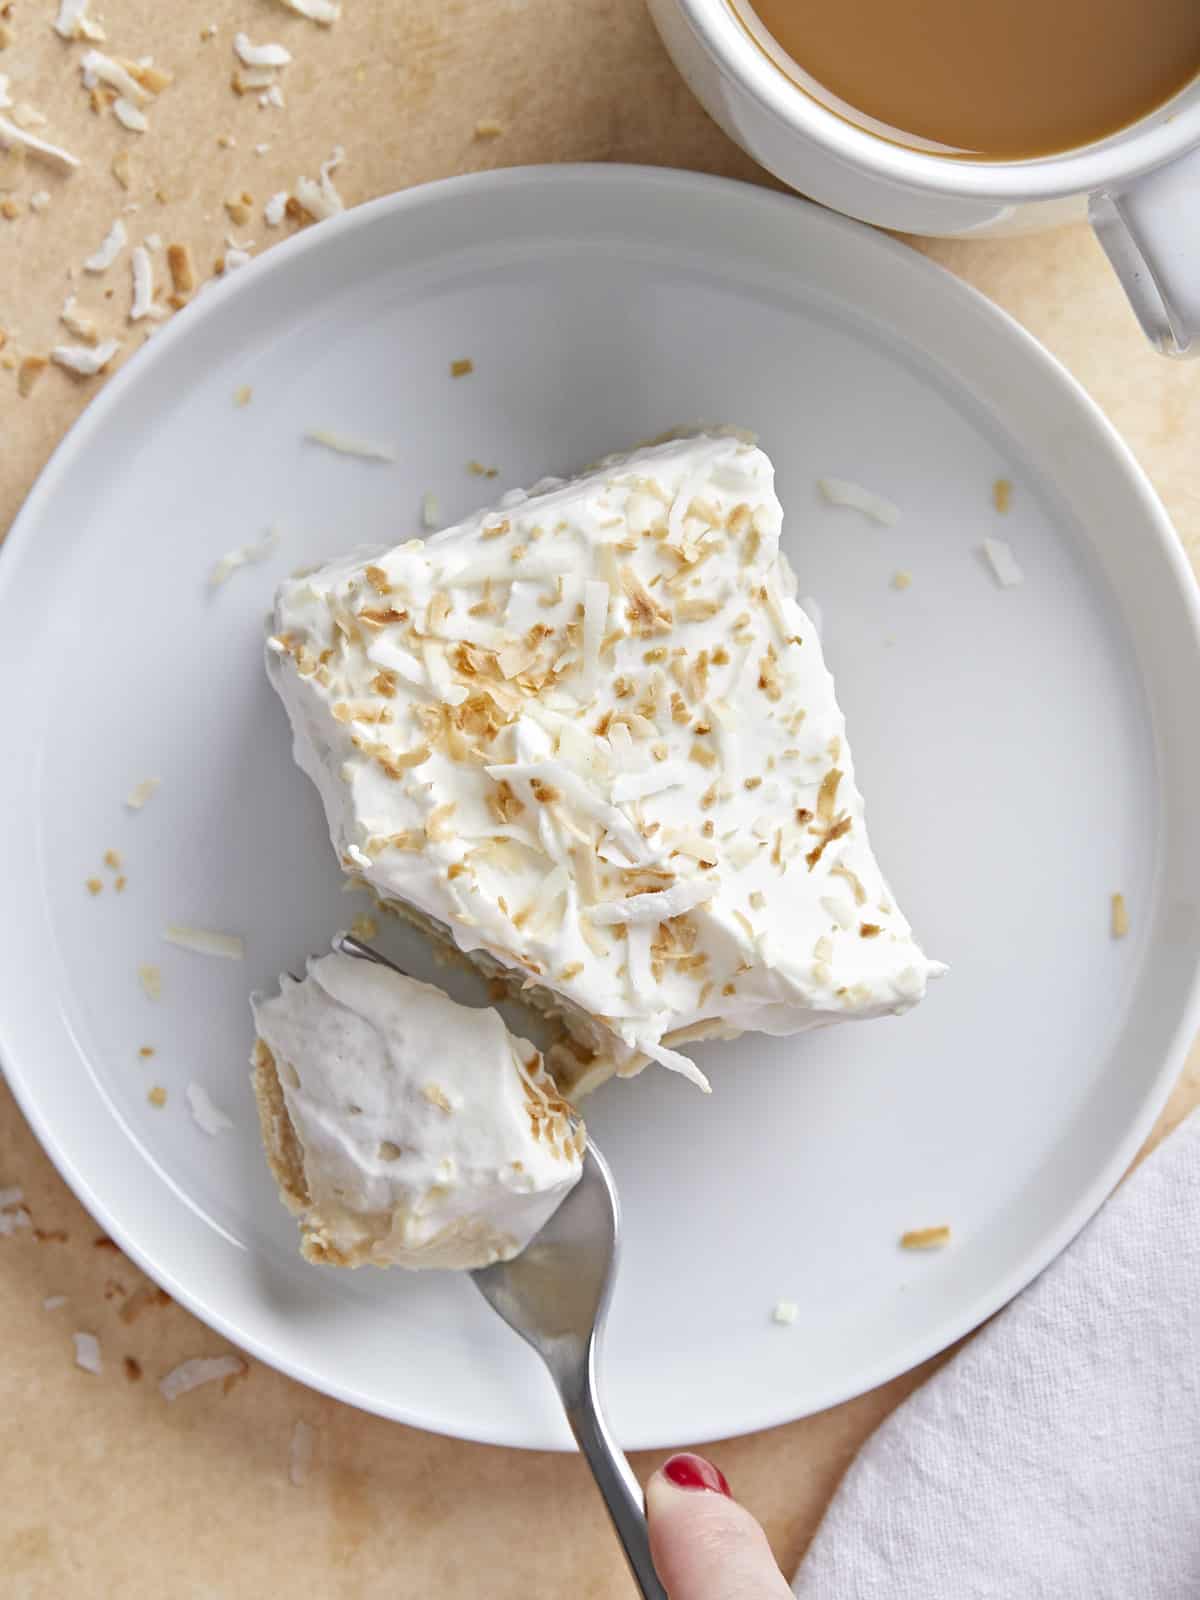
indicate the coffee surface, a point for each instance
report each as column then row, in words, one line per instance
column 990, row 79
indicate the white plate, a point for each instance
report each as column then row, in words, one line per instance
column 1024, row 752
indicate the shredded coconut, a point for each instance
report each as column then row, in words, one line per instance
column 1003, row 563
column 273, row 97
column 143, row 286
column 785, row 1312
column 260, row 55
column 99, row 68
column 87, row 1353
column 114, row 242
column 11, row 1196
column 346, row 445
column 85, row 360
column 324, row 12
column 275, row 208
column 54, row 1302
column 12, row 137
column 300, row 1455
column 141, row 792
column 204, row 942
column 841, row 492
column 208, row 1117
column 236, row 258
column 199, row 1370
column 243, row 556
column 73, row 22
column 12, row 1221
column 128, row 115
column 39, row 200
column 321, row 198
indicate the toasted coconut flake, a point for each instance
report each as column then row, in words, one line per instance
column 260, row 55
column 199, row 1370
column 73, row 22
column 902, row 580
column 658, row 906
column 14, row 138
column 84, row 360
column 462, row 368
column 87, row 1353
column 204, row 942
column 243, row 556
column 150, row 978
column 157, row 1096
column 785, row 1312
column 926, row 1238
column 1119, row 917
column 345, row 444
column 323, row 12
column 114, row 242
column 28, row 373
column 300, row 1454
column 141, row 792
column 182, row 269
column 129, row 116
column 208, row 1117
column 1002, row 494
column 321, row 199
column 842, row 492
column 488, row 128
column 1003, row 563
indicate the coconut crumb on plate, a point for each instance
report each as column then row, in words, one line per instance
column 275, row 209
column 207, row 1116
column 157, row 1096
column 461, row 368
column 28, row 373
column 431, row 511
column 345, row 444
column 13, row 1195
column 842, row 492
column 488, row 128
column 244, row 555
column 204, row 942
column 926, row 1238
column 300, row 1454
column 1119, row 917
column 39, row 200
column 93, row 885
column 1003, row 563
column 1002, row 494
column 198, row 1371
column 54, row 1302
column 14, row 1221
column 142, row 791
column 243, row 395
column 87, row 1353
column 150, row 978
column 901, row 580
column 785, row 1312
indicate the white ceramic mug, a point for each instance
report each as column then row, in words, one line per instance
column 1140, row 187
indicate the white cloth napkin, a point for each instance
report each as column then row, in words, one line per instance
column 1057, row 1455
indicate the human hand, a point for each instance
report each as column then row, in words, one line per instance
column 706, row 1546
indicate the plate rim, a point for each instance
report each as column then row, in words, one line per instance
column 618, row 176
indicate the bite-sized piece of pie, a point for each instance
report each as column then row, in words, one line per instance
column 588, row 739
column 404, row 1129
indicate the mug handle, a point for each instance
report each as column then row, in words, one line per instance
column 1150, row 232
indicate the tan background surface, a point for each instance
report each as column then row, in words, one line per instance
column 104, row 1490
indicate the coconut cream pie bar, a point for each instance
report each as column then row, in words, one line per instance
column 587, row 738
column 404, row 1129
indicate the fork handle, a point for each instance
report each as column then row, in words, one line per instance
column 621, row 1491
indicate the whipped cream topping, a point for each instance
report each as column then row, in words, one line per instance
column 591, row 733
column 429, row 1135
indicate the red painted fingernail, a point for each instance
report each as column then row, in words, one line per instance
column 688, row 1471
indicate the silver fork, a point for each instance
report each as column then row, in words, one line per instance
column 556, row 1294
